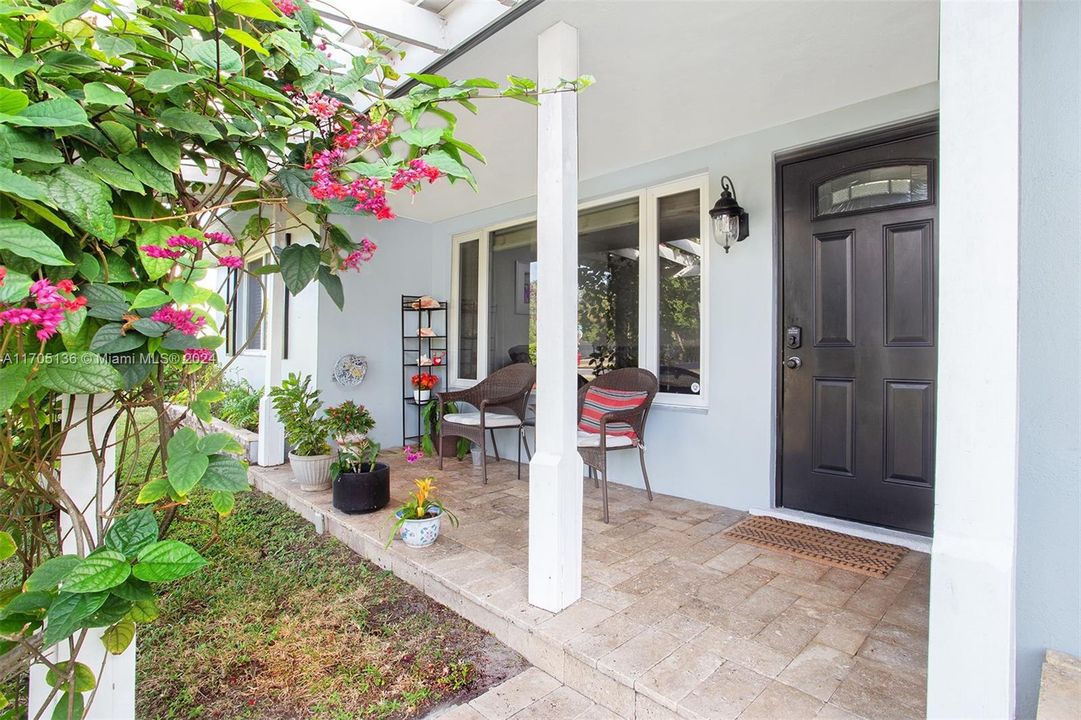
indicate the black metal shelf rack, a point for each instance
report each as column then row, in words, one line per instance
column 413, row 347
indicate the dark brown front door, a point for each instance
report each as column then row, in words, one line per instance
column 858, row 328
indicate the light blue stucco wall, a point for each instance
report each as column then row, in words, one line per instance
column 1049, row 485
column 724, row 454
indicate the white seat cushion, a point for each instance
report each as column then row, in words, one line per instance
column 588, row 439
column 492, row 420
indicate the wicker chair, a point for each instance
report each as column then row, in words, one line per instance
column 506, row 389
column 594, row 447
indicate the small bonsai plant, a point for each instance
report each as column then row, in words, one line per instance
column 297, row 406
column 418, row 520
column 349, row 423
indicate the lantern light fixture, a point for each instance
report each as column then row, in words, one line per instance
column 730, row 221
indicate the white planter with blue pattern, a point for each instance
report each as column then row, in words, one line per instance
column 420, row 533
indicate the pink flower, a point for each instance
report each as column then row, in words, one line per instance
column 156, row 251
column 219, row 237
column 50, row 306
column 287, row 7
column 181, row 320
column 364, row 253
column 202, row 355
column 412, row 175
column 231, row 261
column 184, row 241
column 3, row 274
column 322, row 106
column 413, row 454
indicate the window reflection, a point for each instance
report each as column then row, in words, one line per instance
column 873, row 188
column 679, row 292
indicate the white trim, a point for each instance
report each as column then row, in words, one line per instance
column 240, row 308
column 919, row 543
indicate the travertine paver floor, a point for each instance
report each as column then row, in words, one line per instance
column 531, row 695
column 675, row 619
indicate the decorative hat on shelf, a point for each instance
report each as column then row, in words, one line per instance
column 426, row 332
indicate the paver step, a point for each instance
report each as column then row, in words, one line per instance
column 530, row 695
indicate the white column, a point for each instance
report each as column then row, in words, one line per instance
column 271, row 432
column 971, row 638
column 115, row 698
column 555, row 473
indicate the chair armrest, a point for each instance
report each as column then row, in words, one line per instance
column 504, row 401
column 632, row 417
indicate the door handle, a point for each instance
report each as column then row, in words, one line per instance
column 793, row 363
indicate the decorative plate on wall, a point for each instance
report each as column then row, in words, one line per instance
column 350, row 370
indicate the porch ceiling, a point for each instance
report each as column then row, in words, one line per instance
column 674, row 75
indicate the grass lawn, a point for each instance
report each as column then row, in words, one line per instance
column 283, row 623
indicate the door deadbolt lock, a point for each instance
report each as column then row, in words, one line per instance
column 793, row 363
column 793, row 336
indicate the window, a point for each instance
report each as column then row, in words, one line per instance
column 246, row 308
column 641, row 284
column 873, row 188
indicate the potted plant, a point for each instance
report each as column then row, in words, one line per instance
column 451, row 446
column 418, row 520
column 361, row 484
column 422, row 387
column 297, row 406
column 350, row 424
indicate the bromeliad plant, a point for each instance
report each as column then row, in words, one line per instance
column 422, row 505
column 130, row 136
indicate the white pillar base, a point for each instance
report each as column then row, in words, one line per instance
column 555, row 530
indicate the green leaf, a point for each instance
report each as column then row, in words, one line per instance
column 132, row 532
column 65, row 701
column 79, row 373
column 122, row 138
column 160, row 81
column 250, row 8
column 133, row 589
column 84, row 676
column 480, row 83
column 187, row 293
column 113, row 45
column 258, row 89
column 333, row 285
column 15, row 288
column 113, row 173
column 223, row 502
column 30, row 146
column 29, row 242
column 70, row 10
column 86, row 201
column 246, row 39
column 101, row 570
column 98, row 93
column 111, row 338
column 216, row 56
column 153, row 491
column 67, row 612
column 299, row 264
column 60, row 112
column 16, row 184
column 12, row 380
column 226, row 474
column 149, row 298
column 143, row 166
column 213, row 443
column 434, row 80
column 45, row 214
column 119, row 636
column 12, row 101
column 32, row 602
column 189, row 122
column 72, row 322
column 51, row 572
column 297, row 183
column 254, row 161
column 422, row 137
column 167, row 560
column 186, row 464
column 440, row 160
column 165, row 150
column 7, row 545
column 10, row 67
column 144, row 611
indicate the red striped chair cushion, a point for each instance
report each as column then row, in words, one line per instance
column 599, row 401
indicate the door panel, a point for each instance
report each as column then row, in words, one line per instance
column 858, row 279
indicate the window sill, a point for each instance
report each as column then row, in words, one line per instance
column 697, row 406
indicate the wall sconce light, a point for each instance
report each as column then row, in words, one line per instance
column 730, row 221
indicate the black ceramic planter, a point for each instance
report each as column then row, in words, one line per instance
column 363, row 492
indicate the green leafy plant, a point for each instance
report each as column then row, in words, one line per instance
column 297, row 406
column 348, row 418
column 240, row 404
column 433, row 422
column 422, row 504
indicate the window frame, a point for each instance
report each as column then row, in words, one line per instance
column 648, row 278
column 238, row 302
